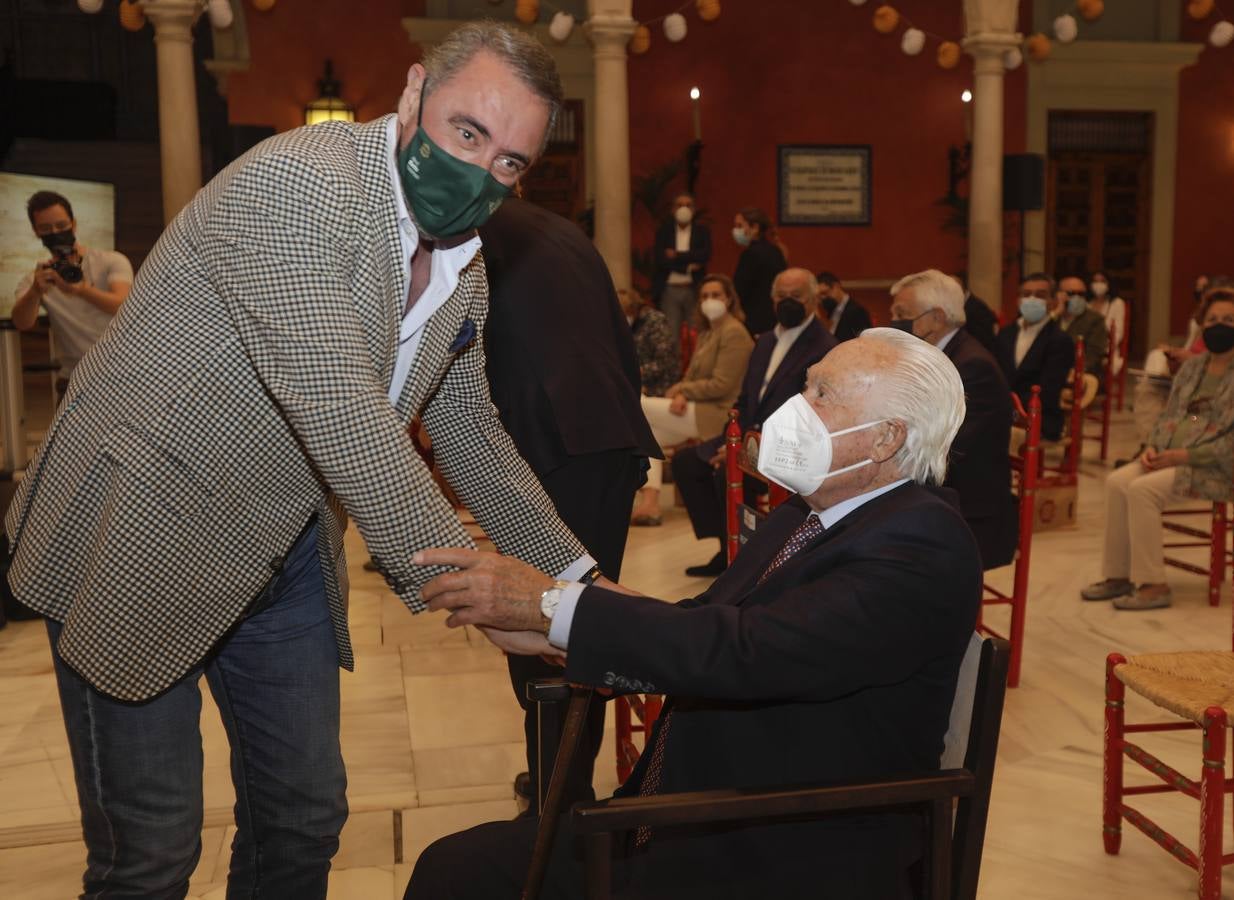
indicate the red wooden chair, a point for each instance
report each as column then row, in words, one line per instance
column 1195, row 686
column 1217, row 539
column 1026, row 471
column 689, row 340
column 741, row 459
column 1105, row 403
column 1119, row 386
column 1066, row 472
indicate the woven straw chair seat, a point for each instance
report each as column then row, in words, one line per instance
column 1185, row 683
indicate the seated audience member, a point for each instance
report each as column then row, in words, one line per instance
column 931, row 305
column 979, row 320
column 829, row 651
column 683, row 249
column 845, row 316
column 1193, row 344
column 657, row 349
column 1190, row 455
column 1103, row 299
column 760, row 262
column 777, row 371
column 1035, row 350
column 1072, row 312
column 698, row 405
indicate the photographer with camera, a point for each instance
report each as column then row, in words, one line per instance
column 81, row 287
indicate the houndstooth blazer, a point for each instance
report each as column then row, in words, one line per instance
column 243, row 388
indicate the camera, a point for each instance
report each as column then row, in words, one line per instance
column 63, row 264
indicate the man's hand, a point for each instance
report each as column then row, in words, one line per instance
column 678, row 405
column 524, row 643
column 489, row 589
column 718, row 458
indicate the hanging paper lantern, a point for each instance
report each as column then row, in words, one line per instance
column 1199, row 9
column 1066, row 28
column 640, row 41
column 220, row 13
column 857, row 2
column 1222, row 34
column 1091, row 10
column 948, row 55
column 560, row 27
column 913, row 41
column 675, row 27
column 527, row 11
column 263, row 5
column 132, row 16
column 1013, row 59
column 708, row 10
column 886, row 19
column 90, row 6
column 1038, row 47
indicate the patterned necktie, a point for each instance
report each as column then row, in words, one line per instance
column 806, row 532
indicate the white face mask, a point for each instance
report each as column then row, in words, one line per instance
column 795, row 450
column 1100, row 288
column 713, row 309
column 684, row 215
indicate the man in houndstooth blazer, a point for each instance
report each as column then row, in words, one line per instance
column 185, row 512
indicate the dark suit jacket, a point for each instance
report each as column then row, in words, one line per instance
column 841, row 664
column 699, row 253
column 981, row 323
column 561, row 361
column 756, row 271
column 854, row 319
column 1049, row 363
column 1090, row 326
column 979, row 467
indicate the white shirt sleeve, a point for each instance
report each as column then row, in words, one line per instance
column 559, row 628
column 577, row 569
column 119, row 270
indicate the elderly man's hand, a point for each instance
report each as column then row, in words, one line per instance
column 524, row 643
column 489, row 589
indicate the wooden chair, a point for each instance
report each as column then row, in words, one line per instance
column 1119, row 384
column 1104, row 405
column 1026, row 470
column 1084, row 386
column 688, row 340
column 741, row 460
column 1217, row 539
column 1197, row 686
column 954, row 800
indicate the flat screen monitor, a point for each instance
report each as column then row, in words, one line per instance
column 94, row 207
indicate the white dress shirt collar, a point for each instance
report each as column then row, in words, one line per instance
column 833, row 514
column 946, row 339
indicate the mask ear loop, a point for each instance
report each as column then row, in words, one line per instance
column 420, row 105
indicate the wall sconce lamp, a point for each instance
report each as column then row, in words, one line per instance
column 328, row 106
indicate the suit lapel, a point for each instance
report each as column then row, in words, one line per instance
column 383, row 212
column 791, row 364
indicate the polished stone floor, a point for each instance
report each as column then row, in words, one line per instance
column 432, row 735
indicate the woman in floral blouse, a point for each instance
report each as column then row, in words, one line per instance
column 658, row 350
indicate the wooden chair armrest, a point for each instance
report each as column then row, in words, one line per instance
column 548, row 690
column 625, row 813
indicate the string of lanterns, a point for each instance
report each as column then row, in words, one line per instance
column 674, row 23
column 133, row 17
column 887, row 19
column 1222, row 32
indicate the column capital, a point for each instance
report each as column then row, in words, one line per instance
column 989, row 48
column 610, row 34
column 173, row 20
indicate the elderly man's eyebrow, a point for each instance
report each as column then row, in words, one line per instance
column 479, row 128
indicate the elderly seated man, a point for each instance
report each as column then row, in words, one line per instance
column 932, row 306
column 828, row 651
column 776, row 371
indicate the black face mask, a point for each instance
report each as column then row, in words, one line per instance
column 907, row 324
column 830, row 304
column 1219, row 338
column 790, row 312
column 58, row 239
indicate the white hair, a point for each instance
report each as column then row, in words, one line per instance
column 811, row 280
column 936, row 290
column 923, row 390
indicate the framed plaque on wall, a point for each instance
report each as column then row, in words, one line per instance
column 824, row 184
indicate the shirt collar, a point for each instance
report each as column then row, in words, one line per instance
column 791, row 333
column 946, row 338
column 404, row 215
column 833, row 514
column 1025, row 328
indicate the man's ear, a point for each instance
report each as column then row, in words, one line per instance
column 409, row 101
column 888, row 439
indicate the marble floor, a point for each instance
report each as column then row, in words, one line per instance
column 432, row 736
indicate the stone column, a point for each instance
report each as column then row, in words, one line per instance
column 610, row 27
column 179, row 140
column 985, row 192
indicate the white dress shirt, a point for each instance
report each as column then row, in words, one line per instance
column 563, row 619
column 946, row 339
column 834, row 318
column 1024, row 339
column 682, row 246
column 785, row 337
column 448, row 263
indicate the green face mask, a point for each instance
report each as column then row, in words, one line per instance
column 448, row 196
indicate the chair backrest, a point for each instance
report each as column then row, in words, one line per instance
column 990, row 687
column 955, row 742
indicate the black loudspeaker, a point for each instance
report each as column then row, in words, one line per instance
column 1023, row 181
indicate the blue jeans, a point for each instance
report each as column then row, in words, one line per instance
column 138, row 765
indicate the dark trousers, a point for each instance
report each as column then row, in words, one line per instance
column 702, row 488
column 593, row 494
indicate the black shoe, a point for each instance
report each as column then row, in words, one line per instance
column 710, row 570
column 522, row 786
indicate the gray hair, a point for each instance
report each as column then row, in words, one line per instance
column 923, row 391
column 526, row 56
column 936, row 290
column 811, row 281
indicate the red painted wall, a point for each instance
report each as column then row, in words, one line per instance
column 1204, row 192
column 288, row 47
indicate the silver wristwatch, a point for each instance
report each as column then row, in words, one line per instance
column 549, row 601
